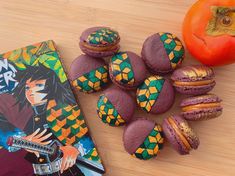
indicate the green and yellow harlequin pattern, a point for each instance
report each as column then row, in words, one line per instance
column 93, row 155
column 174, row 48
column 107, row 112
column 41, row 53
column 151, row 145
column 149, row 91
column 92, row 81
column 66, row 122
column 103, row 36
column 122, row 69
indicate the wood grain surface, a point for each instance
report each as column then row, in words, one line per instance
column 24, row 22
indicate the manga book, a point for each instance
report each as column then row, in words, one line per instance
column 42, row 128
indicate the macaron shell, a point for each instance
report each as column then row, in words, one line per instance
column 193, row 73
column 195, row 90
column 155, row 56
column 185, row 130
column 120, row 100
column 84, row 64
column 135, row 133
column 165, row 100
column 85, row 35
column 208, row 98
column 174, row 139
column 202, row 114
column 139, row 68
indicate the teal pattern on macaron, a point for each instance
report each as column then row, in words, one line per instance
column 122, row 69
column 174, row 48
column 103, row 36
column 107, row 112
column 151, row 145
column 92, row 81
column 148, row 92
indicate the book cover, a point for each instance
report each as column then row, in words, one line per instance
column 42, row 128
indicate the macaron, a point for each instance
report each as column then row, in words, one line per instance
column 127, row 70
column 143, row 138
column 201, row 107
column 162, row 52
column 115, row 107
column 180, row 134
column 193, row 80
column 99, row 41
column 156, row 95
column 88, row 74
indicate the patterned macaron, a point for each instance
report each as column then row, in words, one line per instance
column 127, row 70
column 163, row 52
column 201, row 107
column 115, row 107
column 180, row 134
column 143, row 138
column 155, row 95
column 193, row 80
column 99, row 41
column 88, row 74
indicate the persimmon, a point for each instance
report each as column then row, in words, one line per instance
column 209, row 31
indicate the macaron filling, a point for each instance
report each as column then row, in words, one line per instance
column 193, row 83
column 100, row 48
column 200, row 106
column 180, row 133
column 108, row 113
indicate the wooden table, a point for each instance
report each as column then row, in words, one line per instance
column 24, row 22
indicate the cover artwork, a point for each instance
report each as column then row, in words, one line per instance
column 42, row 129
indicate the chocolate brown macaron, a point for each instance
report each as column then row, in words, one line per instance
column 115, row 107
column 88, row 74
column 193, row 80
column 143, row 138
column 202, row 107
column 180, row 134
column 162, row 52
column 99, row 41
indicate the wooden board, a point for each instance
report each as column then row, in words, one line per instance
column 28, row 21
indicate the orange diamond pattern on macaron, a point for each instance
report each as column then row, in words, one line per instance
column 122, row 69
column 148, row 92
column 151, row 145
column 174, row 48
column 107, row 112
column 92, row 81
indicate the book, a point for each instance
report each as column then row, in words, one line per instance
column 42, row 128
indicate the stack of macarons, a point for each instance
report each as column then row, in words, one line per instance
column 146, row 75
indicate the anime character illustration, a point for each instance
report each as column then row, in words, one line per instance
column 41, row 122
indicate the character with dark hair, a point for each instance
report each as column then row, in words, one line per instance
column 39, row 84
column 40, row 88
